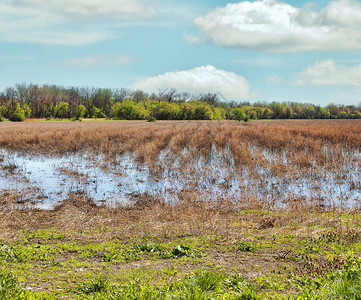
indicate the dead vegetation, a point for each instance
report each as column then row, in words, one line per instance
column 323, row 141
column 265, row 164
column 80, row 213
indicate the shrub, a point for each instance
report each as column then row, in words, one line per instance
column 17, row 117
column 152, row 119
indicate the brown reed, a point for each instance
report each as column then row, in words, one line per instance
column 323, row 141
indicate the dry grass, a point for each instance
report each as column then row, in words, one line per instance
column 269, row 155
column 188, row 218
column 302, row 142
column 322, row 140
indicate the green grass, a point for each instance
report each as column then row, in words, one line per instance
column 309, row 258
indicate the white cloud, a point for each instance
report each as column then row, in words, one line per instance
column 199, row 80
column 64, row 38
column 66, row 22
column 272, row 25
column 92, row 61
column 118, row 9
column 329, row 73
column 274, row 79
column 192, row 39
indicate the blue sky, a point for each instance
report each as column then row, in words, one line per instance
column 263, row 50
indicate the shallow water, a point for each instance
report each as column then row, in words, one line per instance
column 46, row 180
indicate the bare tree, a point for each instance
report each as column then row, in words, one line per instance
column 122, row 94
column 161, row 93
column 171, row 94
column 10, row 93
column 139, row 96
column 186, row 96
column 209, row 98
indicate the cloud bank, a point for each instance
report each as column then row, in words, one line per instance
column 328, row 73
column 276, row 26
column 206, row 79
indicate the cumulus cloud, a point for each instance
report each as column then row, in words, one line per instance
column 92, row 61
column 276, row 26
column 66, row 22
column 329, row 73
column 206, row 79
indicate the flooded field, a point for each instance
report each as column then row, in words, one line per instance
column 267, row 164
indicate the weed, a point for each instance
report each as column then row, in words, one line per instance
column 343, row 285
column 151, row 248
column 96, row 285
column 107, row 257
column 246, row 247
column 182, row 250
column 9, row 288
column 10, row 254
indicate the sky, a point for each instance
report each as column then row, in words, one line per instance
column 263, row 50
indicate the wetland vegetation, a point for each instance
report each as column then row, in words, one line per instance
column 180, row 210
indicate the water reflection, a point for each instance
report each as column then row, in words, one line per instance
column 46, row 180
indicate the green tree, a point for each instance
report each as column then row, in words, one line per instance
column 342, row 115
column 238, row 114
column 3, row 111
column 80, row 112
column 165, row 110
column 267, row 114
column 62, row 110
column 219, row 113
column 203, row 111
column 18, row 115
column 98, row 113
column 324, row 113
column 27, row 110
column 129, row 110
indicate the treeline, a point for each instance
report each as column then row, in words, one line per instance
column 51, row 101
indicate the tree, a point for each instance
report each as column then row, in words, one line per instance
column 139, row 96
column 129, row 110
column 238, row 114
column 171, row 94
column 324, row 113
column 203, row 111
column 3, row 111
column 122, row 94
column 267, row 114
column 18, row 115
column 80, row 112
column 164, row 110
column 210, row 98
column 62, row 110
